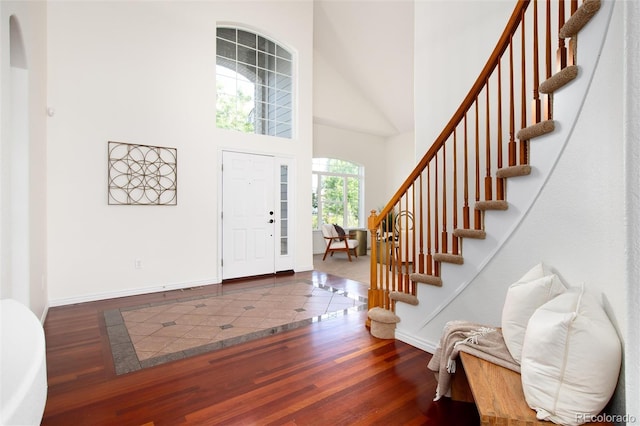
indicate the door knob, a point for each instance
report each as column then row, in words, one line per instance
column 271, row 220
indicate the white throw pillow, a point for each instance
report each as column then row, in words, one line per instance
column 526, row 295
column 570, row 359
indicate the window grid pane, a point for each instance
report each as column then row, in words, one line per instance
column 284, row 209
column 264, row 73
column 227, row 33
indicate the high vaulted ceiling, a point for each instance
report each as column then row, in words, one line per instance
column 369, row 43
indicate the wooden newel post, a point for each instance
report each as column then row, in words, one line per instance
column 373, row 276
column 373, row 231
column 372, row 220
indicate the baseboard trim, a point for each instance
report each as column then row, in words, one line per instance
column 304, row 268
column 45, row 311
column 130, row 292
column 419, row 343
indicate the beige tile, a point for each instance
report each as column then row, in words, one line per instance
column 150, row 309
column 181, row 309
column 301, row 289
column 274, row 298
column 153, row 343
column 247, row 296
column 173, row 330
column 231, row 311
column 257, row 312
column 182, row 344
column 203, row 332
column 273, row 322
column 208, row 310
column 322, row 294
column 235, row 331
column 295, row 300
column 192, row 319
column 312, row 304
column 142, row 355
column 142, row 329
column 338, row 305
column 164, row 317
column 219, row 320
column 266, row 304
column 310, row 312
column 212, row 301
column 252, row 322
column 137, row 316
column 240, row 303
column 287, row 316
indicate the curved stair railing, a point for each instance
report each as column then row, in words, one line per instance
column 464, row 172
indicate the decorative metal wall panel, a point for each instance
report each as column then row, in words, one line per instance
column 142, row 174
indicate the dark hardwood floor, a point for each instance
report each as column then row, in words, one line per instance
column 328, row 373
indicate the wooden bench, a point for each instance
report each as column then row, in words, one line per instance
column 496, row 391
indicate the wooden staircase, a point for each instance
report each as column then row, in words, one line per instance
column 445, row 199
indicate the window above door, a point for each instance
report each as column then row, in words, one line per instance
column 254, row 83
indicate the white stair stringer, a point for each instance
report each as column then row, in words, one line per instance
column 421, row 325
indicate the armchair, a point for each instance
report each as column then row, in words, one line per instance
column 336, row 242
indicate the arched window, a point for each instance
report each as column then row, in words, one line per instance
column 338, row 192
column 254, row 82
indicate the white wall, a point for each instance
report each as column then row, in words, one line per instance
column 400, row 159
column 24, row 184
column 449, row 56
column 631, row 46
column 143, row 72
column 338, row 103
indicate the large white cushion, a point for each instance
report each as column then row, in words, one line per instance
column 526, row 295
column 571, row 359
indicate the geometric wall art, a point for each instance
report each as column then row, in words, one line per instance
column 142, row 175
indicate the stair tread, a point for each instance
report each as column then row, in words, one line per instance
column 491, row 205
column 399, row 296
column 426, row 279
column 448, row 258
column 514, row 171
column 579, row 19
column 559, row 79
column 536, row 130
column 382, row 315
column 479, row 234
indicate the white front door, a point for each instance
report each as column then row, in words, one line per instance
column 248, row 215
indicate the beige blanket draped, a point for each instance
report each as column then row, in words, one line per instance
column 476, row 339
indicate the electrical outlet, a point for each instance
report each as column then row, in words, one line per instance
column 138, row 264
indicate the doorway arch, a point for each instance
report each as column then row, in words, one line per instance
column 15, row 176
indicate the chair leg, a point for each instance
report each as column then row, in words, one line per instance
column 325, row 252
column 346, row 248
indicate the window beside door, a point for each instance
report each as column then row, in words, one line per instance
column 337, row 193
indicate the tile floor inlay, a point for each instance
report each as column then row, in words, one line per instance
column 153, row 334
